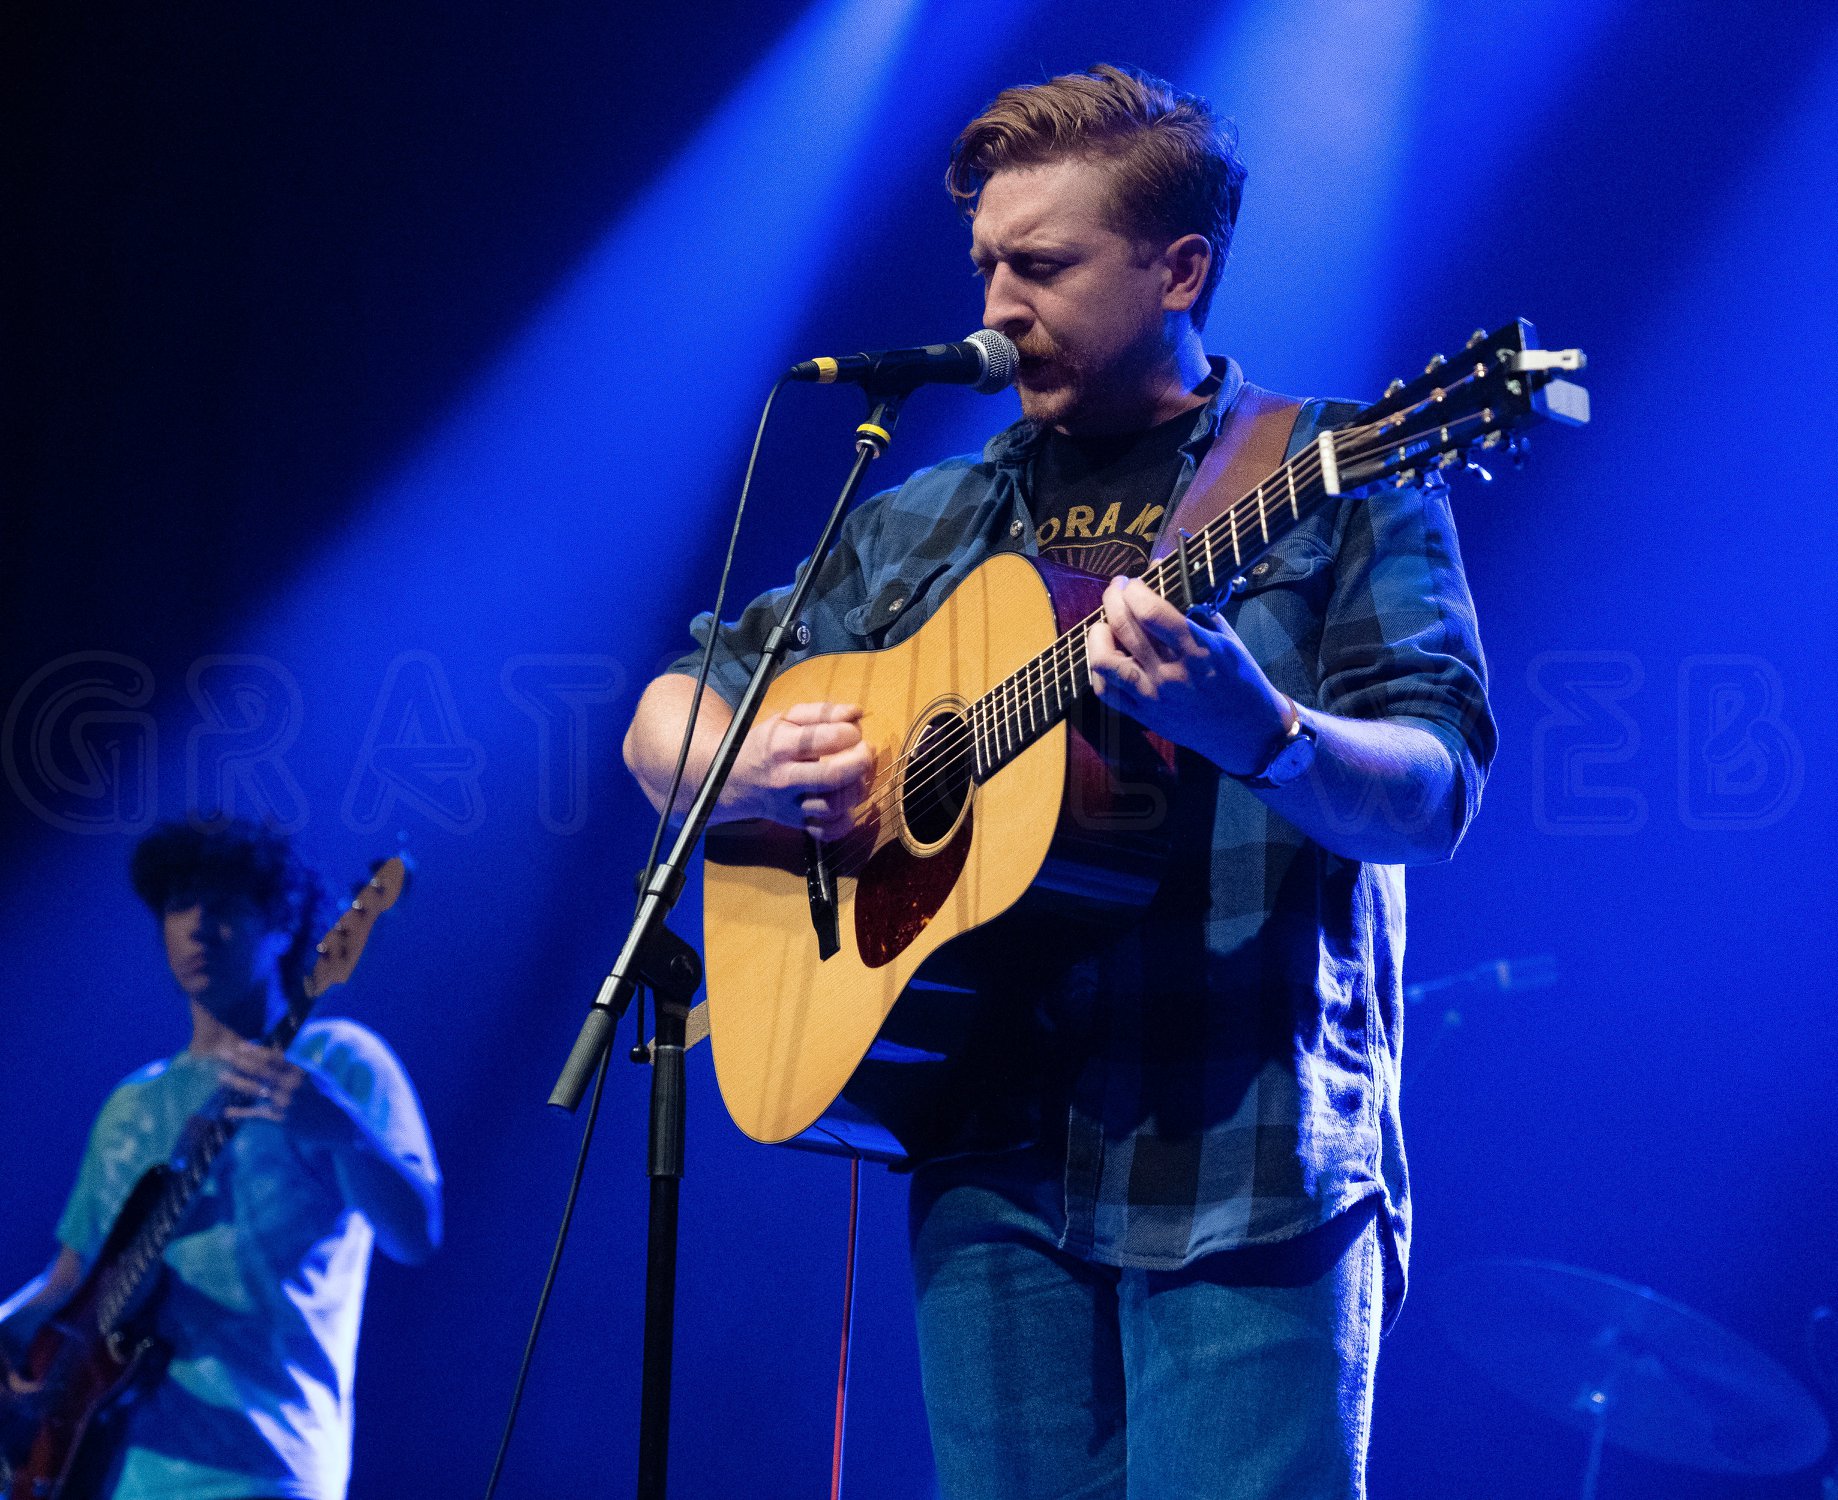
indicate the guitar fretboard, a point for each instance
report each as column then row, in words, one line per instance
column 1017, row 711
column 201, row 1142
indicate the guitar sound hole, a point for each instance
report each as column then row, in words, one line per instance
column 935, row 784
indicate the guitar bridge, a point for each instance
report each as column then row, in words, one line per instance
column 820, row 886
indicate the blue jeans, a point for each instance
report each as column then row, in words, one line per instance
column 1244, row 1376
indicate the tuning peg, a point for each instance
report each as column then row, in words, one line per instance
column 1435, row 364
column 1477, row 338
column 1394, row 388
column 1476, row 468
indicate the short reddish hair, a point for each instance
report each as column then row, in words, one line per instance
column 1173, row 164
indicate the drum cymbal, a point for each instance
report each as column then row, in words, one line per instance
column 1656, row 1377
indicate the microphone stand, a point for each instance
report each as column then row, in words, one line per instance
column 657, row 958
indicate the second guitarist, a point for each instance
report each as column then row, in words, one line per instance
column 264, row 1285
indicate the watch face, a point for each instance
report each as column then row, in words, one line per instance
column 1291, row 761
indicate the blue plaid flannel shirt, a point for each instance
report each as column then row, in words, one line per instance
column 1227, row 1073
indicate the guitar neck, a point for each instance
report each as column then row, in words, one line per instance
column 201, row 1142
column 1022, row 707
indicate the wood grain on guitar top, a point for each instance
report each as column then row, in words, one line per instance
column 789, row 1028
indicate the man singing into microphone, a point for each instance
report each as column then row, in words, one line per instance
column 1160, row 1261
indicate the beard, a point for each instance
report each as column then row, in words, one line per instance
column 1052, row 386
column 1078, row 389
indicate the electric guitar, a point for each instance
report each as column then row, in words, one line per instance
column 91, row 1359
column 996, row 780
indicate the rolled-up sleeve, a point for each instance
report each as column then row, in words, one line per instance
column 1400, row 641
column 739, row 642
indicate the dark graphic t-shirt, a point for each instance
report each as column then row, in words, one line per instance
column 1099, row 501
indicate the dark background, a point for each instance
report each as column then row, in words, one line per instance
column 378, row 381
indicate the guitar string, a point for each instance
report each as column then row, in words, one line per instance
column 937, row 774
column 1030, row 690
column 928, row 773
column 1027, row 685
column 121, row 1284
column 1041, row 688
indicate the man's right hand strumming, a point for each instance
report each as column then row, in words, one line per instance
column 807, row 767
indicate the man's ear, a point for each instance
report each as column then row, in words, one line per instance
column 1187, row 261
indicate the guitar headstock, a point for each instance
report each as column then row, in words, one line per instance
column 1459, row 410
column 340, row 949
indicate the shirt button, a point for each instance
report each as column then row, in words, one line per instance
column 802, row 635
column 893, row 607
column 1260, row 570
column 1014, row 528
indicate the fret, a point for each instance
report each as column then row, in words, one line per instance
column 1330, row 466
column 1016, row 711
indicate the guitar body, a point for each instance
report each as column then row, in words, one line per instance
column 87, row 1378
column 1075, row 818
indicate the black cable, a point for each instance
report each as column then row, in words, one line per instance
column 657, row 840
column 548, row 1281
column 708, row 650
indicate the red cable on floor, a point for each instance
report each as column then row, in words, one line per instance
column 848, row 1318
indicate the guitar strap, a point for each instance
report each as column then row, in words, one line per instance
column 1249, row 447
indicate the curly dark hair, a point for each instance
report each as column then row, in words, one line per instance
column 1173, row 163
column 181, row 862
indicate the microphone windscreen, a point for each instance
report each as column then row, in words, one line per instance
column 1001, row 359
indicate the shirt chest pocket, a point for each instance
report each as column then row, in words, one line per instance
column 1279, row 608
column 896, row 607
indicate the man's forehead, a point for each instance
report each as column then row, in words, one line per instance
column 1060, row 203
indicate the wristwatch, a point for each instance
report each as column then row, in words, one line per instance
column 1289, row 758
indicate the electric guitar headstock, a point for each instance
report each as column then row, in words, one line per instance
column 1458, row 411
column 340, row 949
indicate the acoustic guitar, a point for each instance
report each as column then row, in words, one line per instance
column 100, row 1350
column 998, row 786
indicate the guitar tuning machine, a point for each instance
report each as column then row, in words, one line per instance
column 1435, row 364
column 1477, row 338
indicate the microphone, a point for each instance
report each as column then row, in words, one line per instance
column 986, row 362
